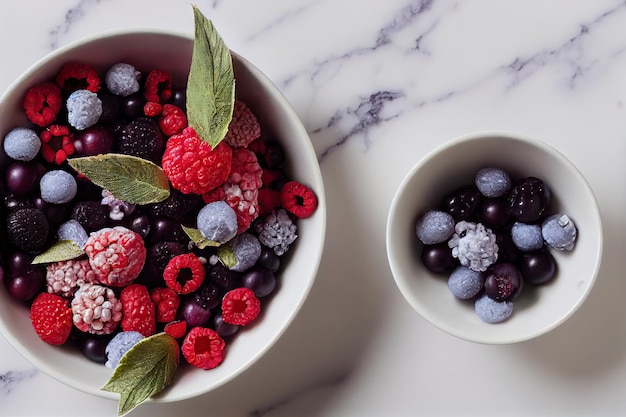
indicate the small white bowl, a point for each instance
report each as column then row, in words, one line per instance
column 172, row 51
column 455, row 163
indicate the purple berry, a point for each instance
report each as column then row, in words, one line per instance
column 93, row 347
column 438, row 258
column 504, row 282
column 194, row 314
column 492, row 311
column 132, row 106
column 26, row 285
column 463, row 203
column 492, row 182
column 537, row 267
column 222, row 328
column 528, row 200
column 261, row 281
column 434, row 227
column 22, row 177
column 464, row 283
column 84, row 109
column 93, row 141
column 268, row 259
column 494, row 213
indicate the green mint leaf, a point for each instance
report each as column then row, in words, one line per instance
column 62, row 250
column 227, row 256
column 147, row 368
column 128, row 178
column 196, row 237
column 211, row 83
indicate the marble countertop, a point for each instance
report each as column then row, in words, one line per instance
column 377, row 85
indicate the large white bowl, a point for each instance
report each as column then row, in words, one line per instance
column 455, row 163
column 172, row 51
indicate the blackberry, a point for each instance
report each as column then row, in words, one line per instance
column 160, row 254
column 463, row 203
column 208, row 296
column 91, row 215
column 28, row 228
column 142, row 137
column 528, row 200
column 177, row 206
column 223, row 277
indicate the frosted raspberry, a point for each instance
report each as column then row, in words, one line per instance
column 95, row 309
column 192, row 166
column 244, row 126
column 116, row 255
column 241, row 189
column 64, row 277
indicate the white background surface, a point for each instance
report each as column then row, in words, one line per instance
column 377, row 85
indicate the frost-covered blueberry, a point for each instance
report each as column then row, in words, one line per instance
column 492, row 311
column 217, row 222
column 58, row 186
column 492, row 182
column 474, row 245
column 119, row 345
column 74, row 231
column 526, row 236
column 122, row 79
column 464, row 283
column 22, row 144
column 559, row 232
column 84, row 109
column 247, row 249
column 434, row 227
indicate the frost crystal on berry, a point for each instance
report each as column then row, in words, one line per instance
column 117, row 208
column 474, row 245
column 279, row 232
column 96, row 309
column 64, row 277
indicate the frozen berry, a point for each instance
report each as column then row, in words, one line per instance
column 27, row 229
column 278, row 232
column 58, row 186
column 96, row 309
column 503, row 282
column 559, row 232
column 464, row 283
column 474, row 245
column 65, row 277
column 141, row 138
column 492, row 182
column 22, row 144
column 526, row 237
column 84, row 109
column 217, row 222
column 122, row 79
column 492, row 311
column 247, row 250
column 119, row 345
column 529, row 199
column 73, row 231
column 434, row 227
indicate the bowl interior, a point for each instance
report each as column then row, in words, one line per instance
column 454, row 164
column 171, row 51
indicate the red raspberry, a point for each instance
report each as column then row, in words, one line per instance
column 184, row 273
column 203, row 348
column 116, row 255
column 152, row 109
column 240, row 306
column 176, row 329
column 258, row 146
column 298, row 199
column 192, row 166
column 244, row 126
column 166, row 302
column 75, row 76
column 42, row 104
column 51, row 317
column 173, row 120
column 268, row 200
column 57, row 143
column 138, row 309
column 241, row 189
column 158, row 86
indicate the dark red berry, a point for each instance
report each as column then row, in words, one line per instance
column 208, row 295
column 438, row 258
column 259, row 280
column 94, row 140
column 92, row 215
column 494, row 213
column 142, row 138
column 528, row 200
column 132, row 106
column 537, row 267
column 503, row 282
column 161, row 252
column 111, row 107
column 463, row 203
column 274, row 156
column 23, row 177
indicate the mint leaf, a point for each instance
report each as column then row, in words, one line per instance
column 227, row 256
column 211, row 83
column 147, row 368
column 129, row 178
column 196, row 237
column 62, row 250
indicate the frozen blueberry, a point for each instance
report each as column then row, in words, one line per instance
column 22, row 144
column 464, row 283
column 217, row 222
column 559, row 232
column 58, row 187
column 247, row 249
column 119, row 345
column 434, row 227
column 84, row 109
column 72, row 230
column 493, row 182
column 122, row 79
column 492, row 311
column 526, row 237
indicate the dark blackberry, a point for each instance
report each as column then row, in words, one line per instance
column 177, row 206
column 463, row 203
column 160, row 254
column 274, row 156
column 142, row 137
column 28, row 229
column 223, row 277
column 529, row 200
column 208, row 296
column 91, row 215
column 13, row 202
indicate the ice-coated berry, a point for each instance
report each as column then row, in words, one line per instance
column 122, row 79
column 463, row 203
column 28, row 229
column 217, row 222
column 559, row 232
column 474, row 245
column 72, row 230
column 526, row 237
column 119, row 345
column 84, row 109
column 278, row 232
column 58, row 186
column 434, row 227
column 247, row 250
column 464, row 283
column 492, row 182
column 492, row 311
column 529, row 199
column 504, row 282
column 22, row 144
column 537, row 267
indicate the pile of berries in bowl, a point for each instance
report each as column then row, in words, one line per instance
column 494, row 238
column 121, row 225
